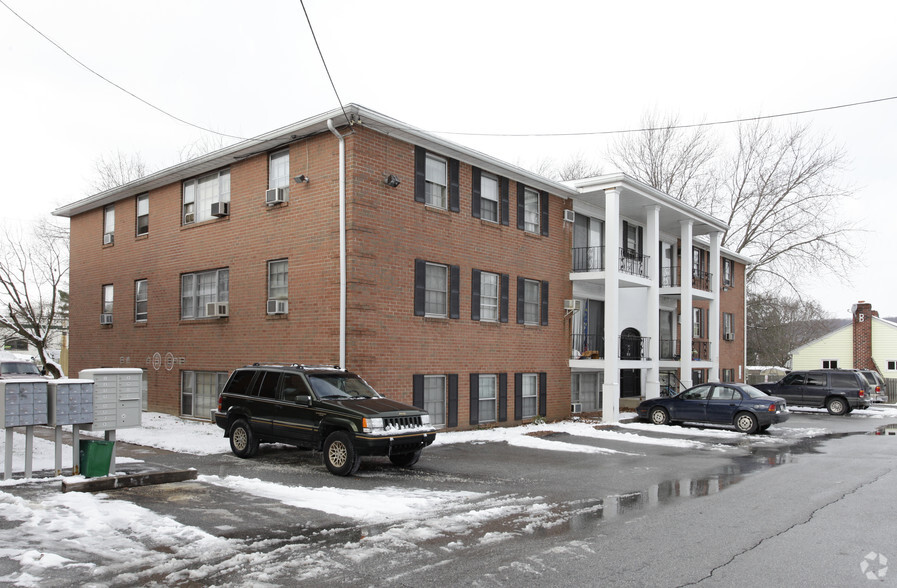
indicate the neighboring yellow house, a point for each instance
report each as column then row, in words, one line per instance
column 869, row 342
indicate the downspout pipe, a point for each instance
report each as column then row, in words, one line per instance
column 342, row 243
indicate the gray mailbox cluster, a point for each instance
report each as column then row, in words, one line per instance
column 71, row 402
column 24, row 402
column 117, row 394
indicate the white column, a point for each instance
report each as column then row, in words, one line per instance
column 610, row 404
column 714, row 319
column 686, row 316
column 652, row 378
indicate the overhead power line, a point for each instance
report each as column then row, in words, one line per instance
column 326, row 69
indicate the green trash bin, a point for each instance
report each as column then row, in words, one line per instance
column 95, row 457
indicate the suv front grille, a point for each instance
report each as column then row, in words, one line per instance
column 405, row 422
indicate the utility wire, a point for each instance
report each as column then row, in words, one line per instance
column 107, row 80
column 710, row 124
column 326, row 69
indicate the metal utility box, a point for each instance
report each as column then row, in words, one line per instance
column 23, row 402
column 71, row 402
column 116, row 397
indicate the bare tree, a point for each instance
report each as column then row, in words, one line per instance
column 205, row 144
column 577, row 168
column 116, row 169
column 776, row 325
column 32, row 272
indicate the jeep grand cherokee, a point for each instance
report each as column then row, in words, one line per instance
column 324, row 408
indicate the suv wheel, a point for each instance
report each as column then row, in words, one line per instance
column 837, row 405
column 242, row 442
column 405, row 460
column 340, row 456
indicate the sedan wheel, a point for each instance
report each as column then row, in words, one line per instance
column 659, row 416
column 745, row 422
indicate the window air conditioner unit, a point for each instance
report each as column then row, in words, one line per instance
column 220, row 208
column 106, row 318
column 278, row 307
column 188, row 218
column 216, row 309
column 275, row 196
column 571, row 304
column 108, row 239
column 729, row 336
column 576, row 407
column 569, row 216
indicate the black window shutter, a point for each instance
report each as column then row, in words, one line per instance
column 543, row 220
column 475, row 192
column 543, row 394
column 475, row 295
column 417, row 395
column 455, row 289
column 420, row 174
column 452, row 419
column 520, row 200
column 420, row 286
column 504, row 190
column 503, row 308
column 474, row 399
column 502, row 397
column 640, row 243
column 625, row 240
column 454, row 185
column 544, row 303
column 518, row 397
column 520, row 298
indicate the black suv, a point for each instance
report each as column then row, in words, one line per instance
column 324, row 408
column 840, row 391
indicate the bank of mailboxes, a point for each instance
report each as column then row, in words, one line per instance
column 70, row 402
column 23, row 402
column 117, row 397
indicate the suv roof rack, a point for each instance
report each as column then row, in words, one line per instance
column 315, row 367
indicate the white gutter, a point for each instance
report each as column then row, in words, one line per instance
column 342, row 243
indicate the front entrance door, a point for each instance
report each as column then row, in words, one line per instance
column 630, row 383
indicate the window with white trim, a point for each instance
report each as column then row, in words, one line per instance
column 141, row 300
column 531, row 302
column 199, row 289
column 108, row 224
column 436, row 181
column 201, row 193
column 489, row 296
column 199, row 392
column 530, row 395
column 279, row 169
column 489, row 197
column 728, row 273
column 278, row 279
column 143, row 214
column 435, row 399
column 436, row 296
column 728, row 327
column 697, row 325
column 488, row 398
column 107, row 299
column 531, row 211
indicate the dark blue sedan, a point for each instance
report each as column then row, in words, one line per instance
column 747, row 409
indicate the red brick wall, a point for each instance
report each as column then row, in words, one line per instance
column 862, row 337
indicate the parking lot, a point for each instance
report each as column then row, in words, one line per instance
column 561, row 503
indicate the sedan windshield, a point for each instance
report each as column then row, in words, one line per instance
column 18, row 368
column 341, row 386
column 753, row 392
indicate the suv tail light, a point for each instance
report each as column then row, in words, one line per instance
column 862, row 393
column 219, row 403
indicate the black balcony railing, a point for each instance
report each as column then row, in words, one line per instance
column 669, row 277
column 669, row 349
column 588, row 259
column 633, row 347
column 588, row 346
column 700, row 350
column 632, row 263
column 701, row 280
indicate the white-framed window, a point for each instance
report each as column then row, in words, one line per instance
column 141, row 300
column 532, row 290
column 199, row 392
column 530, row 395
column 107, row 298
column 892, row 365
column 200, row 288
column 143, row 214
column 435, row 399
column 531, row 211
column 697, row 325
column 488, row 402
column 489, row 197
column 278, row 279
column 437, row 181
column 108, row 224
column 489, row 296
column 436, row 296
column 201, row 193
column 279, row 169
column 829, row 364
column 728, row 272
column 728, row 375
column 728, row 327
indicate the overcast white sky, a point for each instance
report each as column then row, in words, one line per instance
column 504, row 67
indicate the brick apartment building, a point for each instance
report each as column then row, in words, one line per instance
column 445, row 277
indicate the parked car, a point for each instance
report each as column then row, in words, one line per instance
column 746, row 408
column 18, row 369
column 877, row 388
column 324, row 408
column 839, row 391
